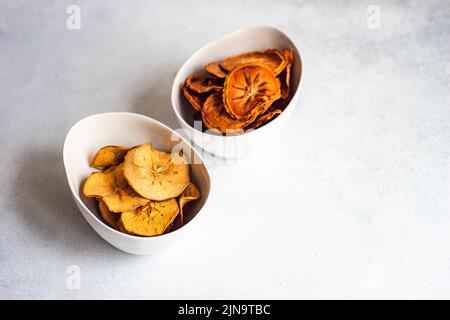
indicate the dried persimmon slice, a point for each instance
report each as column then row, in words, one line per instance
column 203, row 84
column 215, row 69
column 154, row 174
column 285, row 76
column 249, row 90
column 265, row 118
column 111, row 187
column 152, row 219
column 108, row 156
column 215, row 116
column 195, row 99
column 272, row 59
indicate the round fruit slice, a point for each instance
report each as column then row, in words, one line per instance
column 111, row 187
column 273, row 59
column 189, row 194
column 154, row 174
column 216, row 117
column 108, row 156
column 150, row 220
column 109, row 217
column 203, row 84
column 249, row 90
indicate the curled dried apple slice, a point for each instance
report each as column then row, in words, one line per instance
column 215, row 116
column 189, row 194
column 108, row 156
column 265, row 118
column 111, row 187
column 215, row 69
column 203, row 84
column 150, row 220
column 249, row 90
column 154, row 174
column 273, row 59
column 109, row 217
column 195, row 99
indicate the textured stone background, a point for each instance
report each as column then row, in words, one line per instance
column 359, row 206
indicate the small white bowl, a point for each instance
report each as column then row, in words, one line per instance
column 250, row 39
column 127, row 129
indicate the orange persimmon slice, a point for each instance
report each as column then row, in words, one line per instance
column 203, row 84
column 272, row 59
column 194, row 99
column 285, row 76
column 215, row 116
column 215, row 69
column 249, row 90
column 265, row 118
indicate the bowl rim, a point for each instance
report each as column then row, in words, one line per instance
column 76, row 194
column 175, row 86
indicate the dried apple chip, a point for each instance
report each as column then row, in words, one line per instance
column 215, row 69
column 154, row 174
column 112, row 187
column 193, row 98
column 152, row 219
column 109, row 217
column 273, row 59
column 216, row 117
column 249, row 90
column 262, row 120
column 203, row 84
column 189, row 194
column 108, row 156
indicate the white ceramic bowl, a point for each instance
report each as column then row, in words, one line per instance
column 250, row 39
column 127, row 129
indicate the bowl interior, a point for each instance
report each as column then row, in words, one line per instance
column 252, row 39
column 125, row 129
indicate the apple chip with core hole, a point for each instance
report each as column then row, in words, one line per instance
column 109, row 217
column 215, row 116
column 273, row 59
column 203, row 84
column 108, row 156
column 150, row 220
column 249, row 90
column 154, row 174
column 189, row 194
column 112, row 187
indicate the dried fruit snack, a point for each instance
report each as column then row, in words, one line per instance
column 251, row 85
column 152, row 219
column 215, row 116
column 273, row 59
column 112, row 187
column 250, row 90
column 189, row 194
column 108, row 156
column 155, row 174
column 163, row 178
